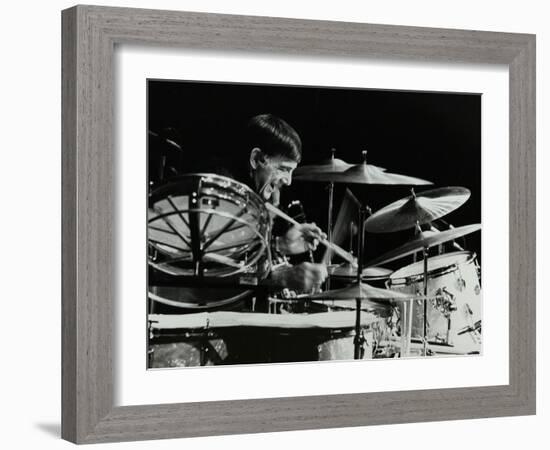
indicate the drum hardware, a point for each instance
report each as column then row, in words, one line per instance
column 445, row 302
column 360, row 255
column 329, row 222
column 352, row 231
column 425, row 306
column 476, row 328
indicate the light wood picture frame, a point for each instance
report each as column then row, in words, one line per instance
column 90, row 34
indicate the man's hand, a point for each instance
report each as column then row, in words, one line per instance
column 303, row 277
column 300, row 239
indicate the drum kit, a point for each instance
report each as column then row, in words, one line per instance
column 207, row 231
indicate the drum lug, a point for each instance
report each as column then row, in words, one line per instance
column 460, row 284
column 445, row 303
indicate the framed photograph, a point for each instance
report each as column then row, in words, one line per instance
column 268, row 222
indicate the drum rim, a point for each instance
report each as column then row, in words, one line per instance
column 434, row 273
column 176, row 180
column 195, row 306
column 353, row 276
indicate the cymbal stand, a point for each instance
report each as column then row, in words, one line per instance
column 417, row 231
column 359, row 340
column 329, row 224
column 425, row 303
column 329, row 221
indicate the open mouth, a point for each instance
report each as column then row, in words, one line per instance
column 271, row 193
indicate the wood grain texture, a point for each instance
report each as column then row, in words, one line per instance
column 89, row 36
column 68, row 225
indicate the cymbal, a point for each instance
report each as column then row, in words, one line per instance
column 169, row 141
column 422, row 207
column 332, row 164
column 364, row 174
column 347, row 270
column 329, row 165
column 426, row 239
column 360, row 291
column 381, row 309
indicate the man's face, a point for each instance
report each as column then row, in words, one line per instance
column 271, row 174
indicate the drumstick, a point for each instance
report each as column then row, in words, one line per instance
column 335, row 248
column 222, row 259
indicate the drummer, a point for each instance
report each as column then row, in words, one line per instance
column 273, row 150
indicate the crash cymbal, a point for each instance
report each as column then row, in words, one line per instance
column 425, row 239
column 350, row 271
column 422, row 207
column 359, row 291
column 364, row 174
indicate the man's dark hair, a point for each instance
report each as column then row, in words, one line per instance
column 274, row 137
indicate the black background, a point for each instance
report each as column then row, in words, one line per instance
column 434, row 136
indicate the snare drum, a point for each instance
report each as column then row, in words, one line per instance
column 454, row 279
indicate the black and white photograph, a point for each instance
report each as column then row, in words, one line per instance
column 292, row 224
